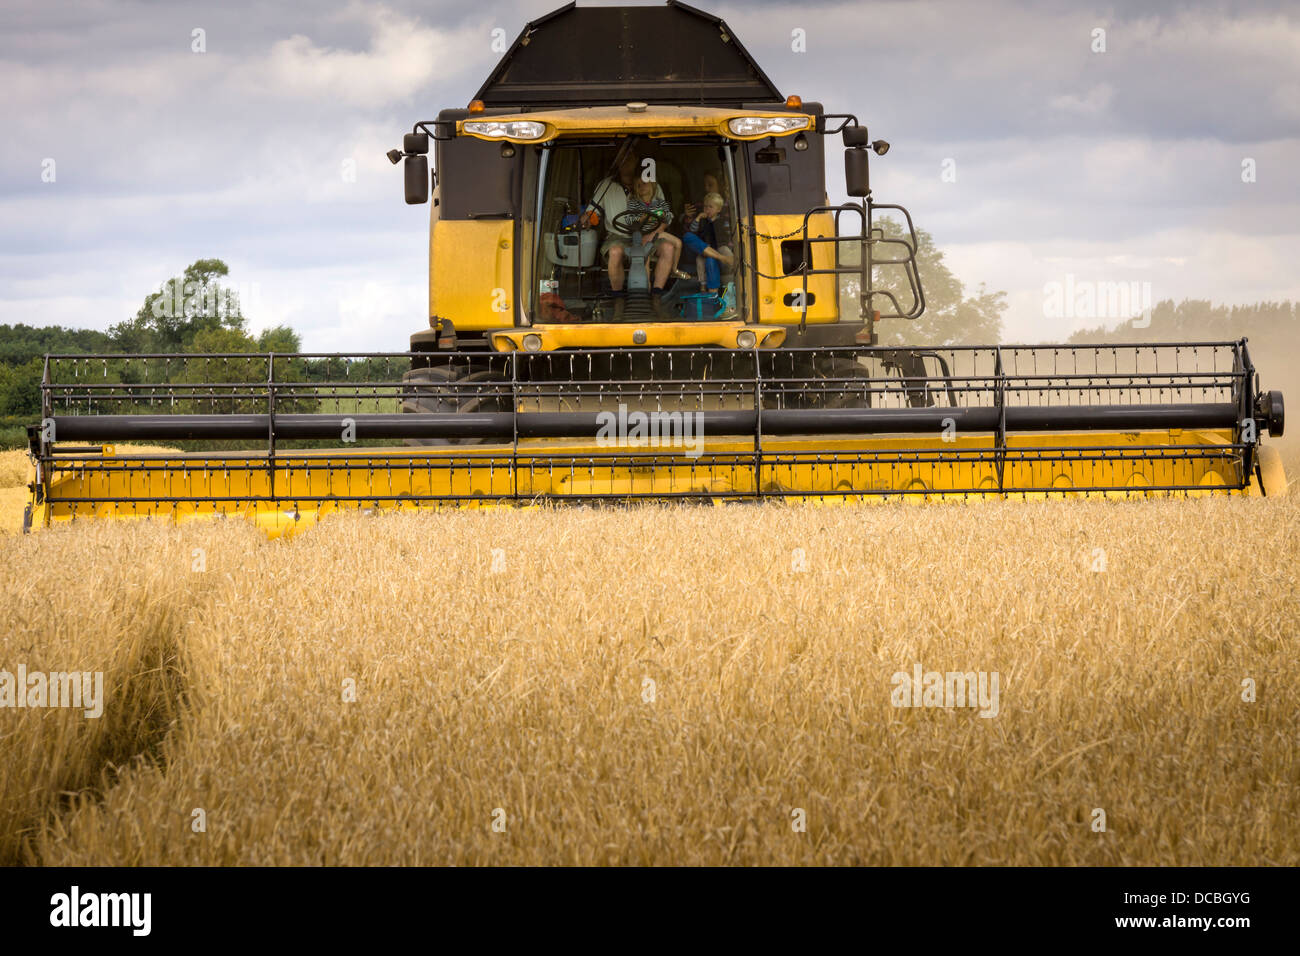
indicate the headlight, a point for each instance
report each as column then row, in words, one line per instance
column 745, row 339
column 763, row 125
column 516, row 129
column 532, row 342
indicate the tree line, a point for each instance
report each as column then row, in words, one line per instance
column 196, row 312
column 1271, row 328
column 1265, row 324
column 192, row 312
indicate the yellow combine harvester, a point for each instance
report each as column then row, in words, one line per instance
column 635, row 290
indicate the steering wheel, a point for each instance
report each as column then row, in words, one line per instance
column 634, row 220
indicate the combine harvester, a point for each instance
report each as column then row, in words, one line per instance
column 564, row 361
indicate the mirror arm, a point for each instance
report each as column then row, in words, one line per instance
column 848, row 120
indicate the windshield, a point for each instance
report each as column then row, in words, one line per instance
column 636, row 229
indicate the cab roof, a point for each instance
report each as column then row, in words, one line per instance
column 598, row 56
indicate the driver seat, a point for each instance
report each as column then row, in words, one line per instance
column 636, row 276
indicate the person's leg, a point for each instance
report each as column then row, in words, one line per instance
column 726, row 262
column 615, row 264
column 697, row 246
column 663, row 266
column 617, row 254
column 662, row 263
column 712, row 271
column 675, row 247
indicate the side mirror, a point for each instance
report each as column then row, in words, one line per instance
column 416, row 170
column 415, row 144
column 855, row 136
column 857, row 179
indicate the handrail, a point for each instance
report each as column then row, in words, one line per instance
column 867, row 240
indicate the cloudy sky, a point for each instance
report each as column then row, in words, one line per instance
column 1118, row 166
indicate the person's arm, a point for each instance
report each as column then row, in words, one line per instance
column 722, row 227
column 591, row 214
column 615, row 204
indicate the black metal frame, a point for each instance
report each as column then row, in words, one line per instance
column 867, row 261
column 867, row 238
column 754, row 395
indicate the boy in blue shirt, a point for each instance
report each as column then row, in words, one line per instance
column 702, row 239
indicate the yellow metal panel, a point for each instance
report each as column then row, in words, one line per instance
column 1270, row 466
column 823, row 291
column 309, row 484
column 471, row 272
column 616, row 120
column 663, row 334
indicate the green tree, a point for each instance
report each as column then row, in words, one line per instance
column 182, row 308
column 279, row 338
column 222, row 340
column 20, row 388
column 21, row 343
column 951, row 317
column 1275, row 323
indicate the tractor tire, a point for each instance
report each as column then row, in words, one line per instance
column 834, row 394
column 440, row 389
column 910, row 364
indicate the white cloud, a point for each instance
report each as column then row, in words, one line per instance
column 403, row 55
column 1095, row 101
column 1224, row 267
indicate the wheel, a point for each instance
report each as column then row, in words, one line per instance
column 839, row 394
column 631, row 221
column 910, row 365
column 449, row 389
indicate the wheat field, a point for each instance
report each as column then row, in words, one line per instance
column 663, row 685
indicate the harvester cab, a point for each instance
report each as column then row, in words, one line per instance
column 655, row 191
column 635, row 292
